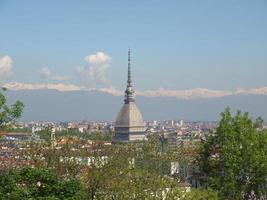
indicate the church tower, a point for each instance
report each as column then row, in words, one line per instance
column 129, row 125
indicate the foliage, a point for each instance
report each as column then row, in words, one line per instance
column 119, row 171
column 34, row 183
column 134, row 171
column 18, row 129
column 101, row 136
column 45, row 134
column 96, row 136
column 60, row 160
column 233, row 160
column 11, row 113
column 193, row 194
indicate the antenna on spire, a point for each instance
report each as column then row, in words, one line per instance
column 129, row 81
column 129, row 92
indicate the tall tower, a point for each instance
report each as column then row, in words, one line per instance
column 129, row 125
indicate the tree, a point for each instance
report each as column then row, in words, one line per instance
column 63, row 160
column 119, row 171
column 36, row 183
column 233, row 160
column 134, row 171
column 9, row 114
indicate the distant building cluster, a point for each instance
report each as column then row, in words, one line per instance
column 173, row 132
column 81, row 127
column 10, row 145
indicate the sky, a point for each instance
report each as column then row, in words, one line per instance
column 181, row 48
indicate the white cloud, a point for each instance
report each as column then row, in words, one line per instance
column 79, row 69
column 111, row 90
column 53, row 86
column 6, row 70
column 161, row 92
column 99, row 58
column 185, row 94
column 255, row 91
column 95, row 73
column 47, row 74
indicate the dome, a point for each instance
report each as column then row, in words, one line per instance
column 129, row 125
column 129, row 116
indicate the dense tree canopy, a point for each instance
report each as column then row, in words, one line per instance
column 234, row 159
column 121, row 171
column 34, row 183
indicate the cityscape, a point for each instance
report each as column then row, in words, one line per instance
column 81, row 117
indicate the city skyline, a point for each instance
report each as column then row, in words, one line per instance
column 137, row 99
column 196, row 50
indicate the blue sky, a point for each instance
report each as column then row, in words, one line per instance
column 214, row 44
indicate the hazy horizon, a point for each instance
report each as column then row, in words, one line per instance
column 52, row 105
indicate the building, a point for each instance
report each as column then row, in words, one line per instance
column 129, row 125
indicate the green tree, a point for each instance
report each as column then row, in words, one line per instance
column 119, row 171
column 62, row 160
column 95, row 136
column 134, row 171
column 233, row 159
column 9, row 114
column 36, row 183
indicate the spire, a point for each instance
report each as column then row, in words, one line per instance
column 129, row 81
column 129, row 92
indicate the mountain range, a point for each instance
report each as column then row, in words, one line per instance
column 54, row 105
